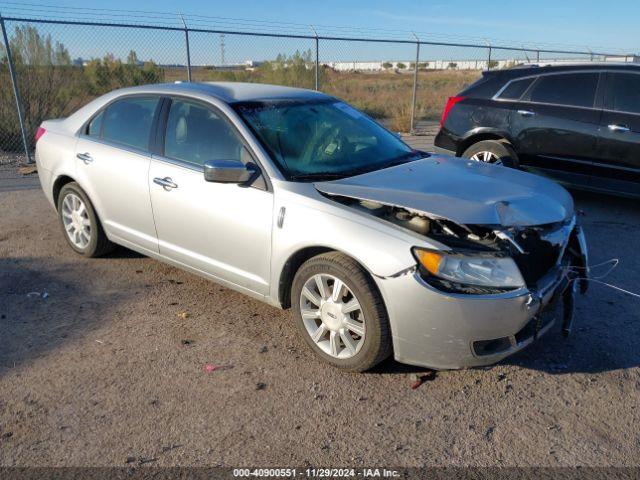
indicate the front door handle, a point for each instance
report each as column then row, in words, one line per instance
column 85, row 157
column 618, row 128
column 526, row 113
column 165, row 182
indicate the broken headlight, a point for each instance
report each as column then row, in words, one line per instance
column 469, row 273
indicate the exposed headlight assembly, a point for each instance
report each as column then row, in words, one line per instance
column 469, row 273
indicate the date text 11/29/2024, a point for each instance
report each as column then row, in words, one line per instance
column 316, row 472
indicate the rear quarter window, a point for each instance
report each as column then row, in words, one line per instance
column 515, row 89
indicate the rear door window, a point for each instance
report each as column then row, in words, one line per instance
column 515, row 89
column 128, row 122
column 623, row 92
column 570, row 89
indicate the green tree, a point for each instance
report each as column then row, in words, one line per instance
column 50, row 86
column 132, row 58
column 387, row 65
column 400, row 66
column 296, row 70
column 28, row 47
column 108, row 73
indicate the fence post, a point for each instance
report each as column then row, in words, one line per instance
column 415, row 86
column 16, row 91
column 489, row 59
column 317, row 62
column 537, row 56
column 186, row 39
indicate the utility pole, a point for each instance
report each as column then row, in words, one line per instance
column 186, row 39
column 317, row 62
column 222, row 49
column 16, row 90
column 415, row 85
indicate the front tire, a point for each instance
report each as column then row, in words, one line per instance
column 340, row 312
column 80, row 224
column 492, row 151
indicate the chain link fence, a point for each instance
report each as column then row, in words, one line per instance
column 60, row 65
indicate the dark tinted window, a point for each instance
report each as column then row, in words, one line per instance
column 515, row 89
column 197, row 134
column 573, row 89
column 95, row 126
column 128, row 122
column 624, row 92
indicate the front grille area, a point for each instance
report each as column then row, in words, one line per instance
column 549, row 314
column 542, row 246
column 490, row 347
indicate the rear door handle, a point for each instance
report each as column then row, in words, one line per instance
column 165, row 182
column 526, row 113
column 85, row 157
column 618, row 128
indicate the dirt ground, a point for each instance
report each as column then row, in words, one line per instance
column 104, row 362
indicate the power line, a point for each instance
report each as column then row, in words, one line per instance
column 63, row 12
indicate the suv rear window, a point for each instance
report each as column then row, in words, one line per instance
column 571, row 89
column 515, row 89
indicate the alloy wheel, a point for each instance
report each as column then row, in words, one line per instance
column 486, row 157
column 332, row 316
column 76, row 221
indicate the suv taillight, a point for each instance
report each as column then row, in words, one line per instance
column 447, row 108
column 41, row 131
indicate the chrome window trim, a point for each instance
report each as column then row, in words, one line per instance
column 513, row 80
column 178, row 163
column 547, row 74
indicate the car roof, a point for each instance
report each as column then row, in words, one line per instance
column 535, row 69
column 230, row 92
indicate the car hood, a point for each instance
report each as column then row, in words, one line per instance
column 460, row 190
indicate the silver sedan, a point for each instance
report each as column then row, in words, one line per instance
column 298, row 199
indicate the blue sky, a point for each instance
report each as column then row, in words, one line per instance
column 576, row 22
column 573, row 25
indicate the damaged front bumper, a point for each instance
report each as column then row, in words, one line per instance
column 441, row 330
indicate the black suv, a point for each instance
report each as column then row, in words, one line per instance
column 579, row 124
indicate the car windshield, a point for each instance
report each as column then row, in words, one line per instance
column 323, row 139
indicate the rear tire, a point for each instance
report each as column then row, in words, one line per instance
column 492, row 151
column 362, row 335
column 80, row 224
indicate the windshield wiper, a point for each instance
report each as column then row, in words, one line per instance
column 317, row 176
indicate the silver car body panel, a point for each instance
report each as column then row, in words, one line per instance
column 460, row 190
column 243, row 237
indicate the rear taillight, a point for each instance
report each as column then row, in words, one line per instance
column 41, row 131
column 447, row 108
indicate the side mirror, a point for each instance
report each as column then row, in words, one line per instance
column 228, row 171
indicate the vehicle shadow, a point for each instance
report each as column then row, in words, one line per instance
column 123, row 253
column 44, row 305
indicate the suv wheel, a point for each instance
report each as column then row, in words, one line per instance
column 80, row 224
column 492, row 151
column 340, row 313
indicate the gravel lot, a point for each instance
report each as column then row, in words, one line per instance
column 110, row 369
